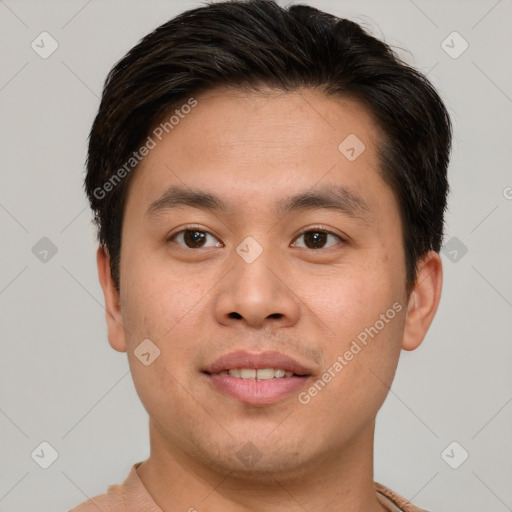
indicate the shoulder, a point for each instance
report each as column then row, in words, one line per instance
column 397, row 502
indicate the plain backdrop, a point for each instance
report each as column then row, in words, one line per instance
column 62, row 384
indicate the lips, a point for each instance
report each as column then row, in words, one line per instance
column 256, row 361
column 224, row 376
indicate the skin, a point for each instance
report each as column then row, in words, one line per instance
column 253, row 149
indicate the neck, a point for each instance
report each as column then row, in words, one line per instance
column 338, row 482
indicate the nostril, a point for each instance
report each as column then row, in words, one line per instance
column 235, row 315
column 275, row 315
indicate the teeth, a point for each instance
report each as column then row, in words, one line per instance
column 248, row 373
column 266, row 373
column 260, row 374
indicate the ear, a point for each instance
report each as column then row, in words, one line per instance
column 423, row 301
column 113, row 315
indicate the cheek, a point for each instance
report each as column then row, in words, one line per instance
column 163, row 310
column 358, row 372
column 365, row 313
column 166, row 307
column 158, row 299
column 348, row 302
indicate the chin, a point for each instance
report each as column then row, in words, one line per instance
column 263, row 462
column 266, row 471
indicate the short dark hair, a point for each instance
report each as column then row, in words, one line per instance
column 258, row 44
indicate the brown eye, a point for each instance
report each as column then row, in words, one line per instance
column 317, row 239
column 194, row 239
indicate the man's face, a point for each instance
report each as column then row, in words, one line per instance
column 303, row 279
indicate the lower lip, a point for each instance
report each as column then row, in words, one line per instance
column 257, row 392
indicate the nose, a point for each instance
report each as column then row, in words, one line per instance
column 257, row 293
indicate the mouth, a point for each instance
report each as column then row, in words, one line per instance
column 257, row 378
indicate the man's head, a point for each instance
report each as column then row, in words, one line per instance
column 267, row 180
column 255, row 44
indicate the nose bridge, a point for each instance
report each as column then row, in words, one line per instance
column 255, row 290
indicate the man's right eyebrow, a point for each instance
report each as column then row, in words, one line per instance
column 177, row 195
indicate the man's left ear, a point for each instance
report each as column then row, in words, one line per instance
column 423, row 301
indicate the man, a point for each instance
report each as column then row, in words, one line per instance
column 269, row 186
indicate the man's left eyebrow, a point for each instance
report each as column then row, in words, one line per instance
column 329, row 197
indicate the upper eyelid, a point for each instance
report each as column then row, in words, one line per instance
column 320, row 229
column 192, row 228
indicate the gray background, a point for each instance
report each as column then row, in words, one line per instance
column 60, row 381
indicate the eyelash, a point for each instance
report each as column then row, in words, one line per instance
column 312, row 229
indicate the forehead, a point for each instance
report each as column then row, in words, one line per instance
column 273, row 118
column 252, row 145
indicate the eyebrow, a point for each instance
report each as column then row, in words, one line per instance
column 333, row 197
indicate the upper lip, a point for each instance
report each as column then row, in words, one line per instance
column 259, row 360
